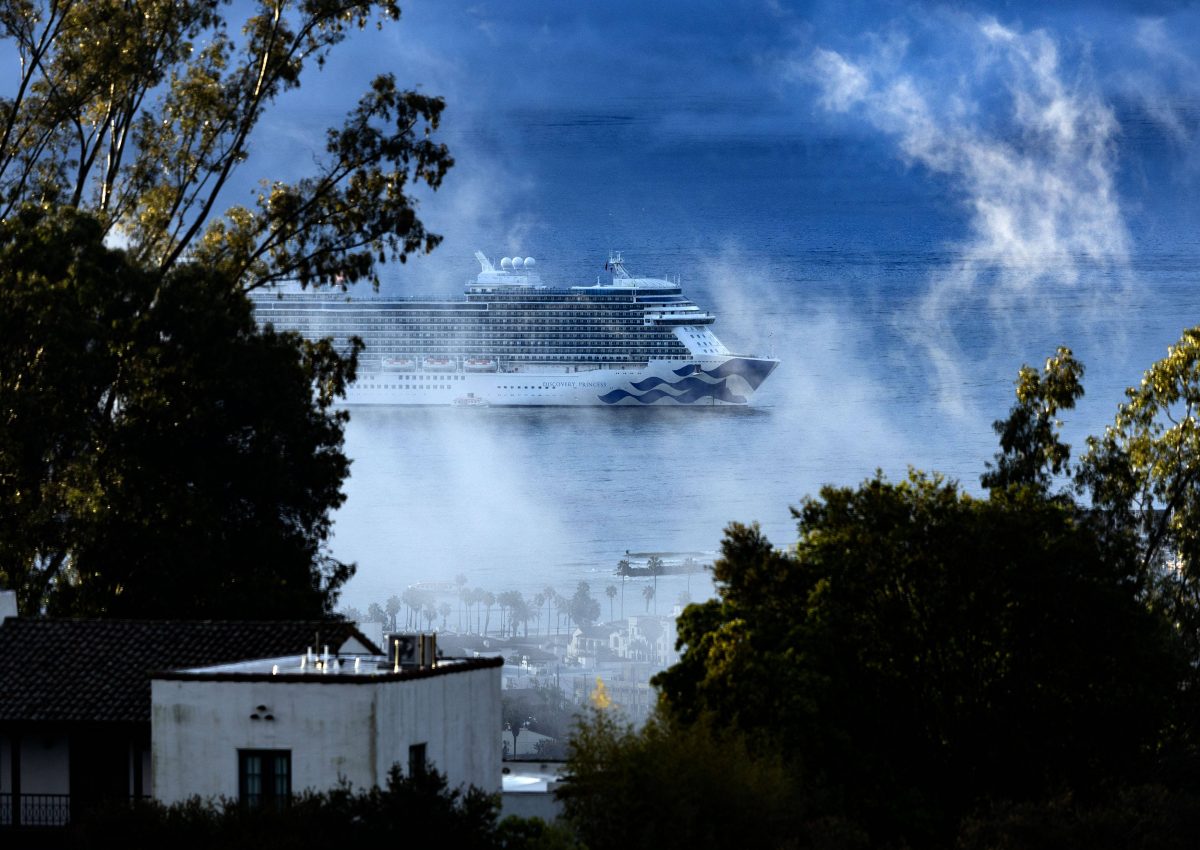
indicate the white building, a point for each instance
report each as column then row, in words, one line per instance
column 262, row 729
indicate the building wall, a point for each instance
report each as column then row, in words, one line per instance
column 45, row 764
column 334, row 730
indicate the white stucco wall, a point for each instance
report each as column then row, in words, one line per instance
column 45, row 764
column 334, row 729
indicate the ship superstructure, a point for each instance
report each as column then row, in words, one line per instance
column 513, row 341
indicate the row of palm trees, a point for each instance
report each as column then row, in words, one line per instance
column 516, row 611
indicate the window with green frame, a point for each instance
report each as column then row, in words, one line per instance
column 264, row 778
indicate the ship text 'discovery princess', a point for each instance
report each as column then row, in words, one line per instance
column 513, row 341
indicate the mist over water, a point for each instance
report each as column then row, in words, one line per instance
column 902, row 217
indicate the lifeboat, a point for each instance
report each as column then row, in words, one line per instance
column 399, row 364
column 479, row 364
column 438, row 364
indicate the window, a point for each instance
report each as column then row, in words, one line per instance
column 416, row 760
column 264, row 778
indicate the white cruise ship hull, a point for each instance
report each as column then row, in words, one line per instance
column 511, row 341
column 711, row 382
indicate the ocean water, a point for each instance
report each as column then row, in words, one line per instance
column 865, row 273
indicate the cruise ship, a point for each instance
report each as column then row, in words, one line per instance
column 624, row 340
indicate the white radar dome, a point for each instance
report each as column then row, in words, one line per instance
column 505, row 263
column 518, row 262
column 530, row 262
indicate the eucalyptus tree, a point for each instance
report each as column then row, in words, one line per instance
column 155, row 420
column 143, row 112
column 159, row 454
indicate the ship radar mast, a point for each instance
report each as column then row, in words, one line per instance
column 484, row 262
column 617, row 266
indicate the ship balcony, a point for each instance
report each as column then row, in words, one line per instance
column 678, row 319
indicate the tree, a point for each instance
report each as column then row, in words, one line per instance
column 655, row 565
column 1030, row 449
column 159, row 454
column 1145, row 470
column 460, row 582
column 648, row 595
column 488, row 599
column 444, row 611
column 392, row 607
column 923, row 650
column 376, row 614
column 676, row 787
column 536, row 608
column 513, row 603
column 611, row 593
column 623, row 567
column 517, row 715
column 583, row 607
column 142, row 113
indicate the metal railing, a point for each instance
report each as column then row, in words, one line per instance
column 37, row 809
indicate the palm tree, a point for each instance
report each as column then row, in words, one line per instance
column 611, row 593
column 478, row 593
column 514, row 603
column 550, row 595
column 445, row 610
column 489, row 599
column 465, row 598
column 648, row 594
column 393, row 608
column 655, row 565
column 652, row 631
column 460, row 581
column 689, row 567
column 623, row 566
column 538, row 601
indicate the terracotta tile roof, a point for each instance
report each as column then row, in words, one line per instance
column 98, row 671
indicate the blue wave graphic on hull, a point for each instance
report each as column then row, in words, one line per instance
column 696, row 391
column 692, row 388
column 754, row 371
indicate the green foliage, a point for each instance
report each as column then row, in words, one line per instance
column 1145, row 469
column 141, row 112
column 420, row 810
column 159, row 455
column 666, row 787
column 923, row 650
column 1149, row 817
column 543, row 709
column 1030, row 450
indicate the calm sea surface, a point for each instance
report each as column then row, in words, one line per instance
column 821, row 252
